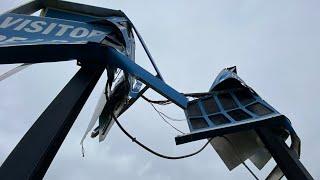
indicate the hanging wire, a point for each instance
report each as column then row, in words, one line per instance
column 82, row 150
column 198, row 95
column 238, row 155
column 154, row 152
column 163, row 114
column 166, row 102
column 165, row 119
column 160, row 102
column 171, row 118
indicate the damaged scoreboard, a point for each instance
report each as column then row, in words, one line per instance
column 238, row 122
column 230, row 114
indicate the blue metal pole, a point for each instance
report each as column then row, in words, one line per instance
column 124, row 63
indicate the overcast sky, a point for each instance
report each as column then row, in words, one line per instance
column 274, row 44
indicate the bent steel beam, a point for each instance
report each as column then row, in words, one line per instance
column 42, row 53
column 19, row 45
column 103, row 54
column 33, row 155
column 137, row 71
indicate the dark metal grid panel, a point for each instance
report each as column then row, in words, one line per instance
column 259, row 109
column 219, row 119
column 227, row 101
column 228, row 113
column 239, row 115
column 270, row 120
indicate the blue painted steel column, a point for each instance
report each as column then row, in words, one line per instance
column 124, row 63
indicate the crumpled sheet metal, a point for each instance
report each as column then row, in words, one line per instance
column 115, row 97
column 236, row 148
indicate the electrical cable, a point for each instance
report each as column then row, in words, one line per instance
column 154, row 152
column 238, row 155
column 202, row 94
column 166, row 102
column 161, row 114
column 160, row 102
column 193, row 95
column 171, row 118
column 166, row 120
column 177, row 157
column 168, row 117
